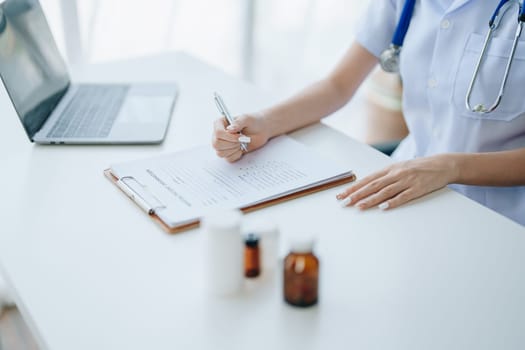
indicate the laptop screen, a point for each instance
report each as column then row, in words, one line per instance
column 33, row 72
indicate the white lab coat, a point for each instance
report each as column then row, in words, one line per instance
column 438, row 58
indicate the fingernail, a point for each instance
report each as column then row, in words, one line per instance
column 361, row 204
column 339, row 196
column 231, row 127
column 245, row 139
column 383, row 206
column 347, row 201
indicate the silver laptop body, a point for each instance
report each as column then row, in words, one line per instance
column 55, row 111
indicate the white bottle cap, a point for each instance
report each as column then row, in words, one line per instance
column 222, row 220
column 302, row 244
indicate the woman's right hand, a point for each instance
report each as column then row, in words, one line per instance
column 225, row 138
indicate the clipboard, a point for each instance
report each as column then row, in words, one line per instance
column 140, row 198
column 177, row 189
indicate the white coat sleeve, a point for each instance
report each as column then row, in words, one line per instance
column 377, row 26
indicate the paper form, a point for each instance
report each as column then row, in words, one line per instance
column 190, row 182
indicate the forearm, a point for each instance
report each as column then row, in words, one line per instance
column 322, row 98
column 307, row 107
column 506, row 168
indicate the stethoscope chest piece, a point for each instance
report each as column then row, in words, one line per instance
column 389, row 59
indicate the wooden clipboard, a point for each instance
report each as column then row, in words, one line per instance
column 176, row 229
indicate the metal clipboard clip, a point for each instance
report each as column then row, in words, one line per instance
column 139, row 194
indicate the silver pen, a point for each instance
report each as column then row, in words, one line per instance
column 226, row 114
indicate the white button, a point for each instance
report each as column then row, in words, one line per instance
column 445, row 23
column 432, row 83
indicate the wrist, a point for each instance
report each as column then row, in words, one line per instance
column 453, row 164
column 269, row 126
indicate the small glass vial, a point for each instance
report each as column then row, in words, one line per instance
column 268, row 234
column 301, row 274
column 252, row 261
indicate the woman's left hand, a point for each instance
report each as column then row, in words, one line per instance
column 401, row 182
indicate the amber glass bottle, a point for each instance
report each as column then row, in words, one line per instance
column 301, row 275
column 252, row 260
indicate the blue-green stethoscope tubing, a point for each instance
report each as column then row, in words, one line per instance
column 389, row 59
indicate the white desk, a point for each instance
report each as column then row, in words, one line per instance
column 91, row 271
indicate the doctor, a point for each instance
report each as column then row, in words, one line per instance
column 479, row 154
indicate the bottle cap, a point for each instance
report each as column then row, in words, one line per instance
column 222, row 220
column 251, row 240
column 302, row 244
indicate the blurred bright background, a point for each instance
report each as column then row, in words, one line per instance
column 280, row 46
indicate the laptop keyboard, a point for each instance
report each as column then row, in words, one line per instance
column 91, row 112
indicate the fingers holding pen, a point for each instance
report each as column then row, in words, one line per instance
column 247, row 132
column 221, row 145
column 223, row 140
column 220, row 132
column 239, row 123
column 234, row 156
column 233, row 149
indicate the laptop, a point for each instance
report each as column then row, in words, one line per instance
column 52, row 109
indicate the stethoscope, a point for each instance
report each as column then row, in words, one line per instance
column 389, row 59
